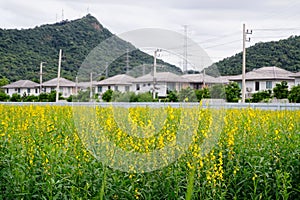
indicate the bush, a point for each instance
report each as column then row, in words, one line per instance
column 172, row 96
column 217, row 91
column 145, row 97
column 15, row 97
column 30, row 98
column 187, row 95
column 294, row 95
column 3, row 96
column 233, row 92
column 125, row 97
column 202, row 93
column 107, row 95
column 281, row 90
column 260, row 96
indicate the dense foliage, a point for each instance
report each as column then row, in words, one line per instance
column 22, row 51
column 233, row 92
column 294, row 95
column 284, row 54
column 281, row 90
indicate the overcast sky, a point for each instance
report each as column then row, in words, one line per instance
column 216, row 25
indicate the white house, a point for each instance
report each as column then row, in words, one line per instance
column 122, row 83
column 264, row 78
column 163, row 82
column 22, row 87
column 296, row 76
column 66, row 87
column 198, row 81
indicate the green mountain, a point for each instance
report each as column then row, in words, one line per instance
column 22, row 51
column 284, row 54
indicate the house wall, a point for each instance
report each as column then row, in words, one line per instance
column 297, row 81
column 161, row 87
column 251, row 85
column 100, row 89
column 22, row 91
column 66, row 91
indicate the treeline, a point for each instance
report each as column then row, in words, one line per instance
column 284, row 54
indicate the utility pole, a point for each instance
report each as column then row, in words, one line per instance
column 154, row 71
column 76, row 85
column 204, row 78
column 58, row 75
column 41, row 76
column 91, row 86
column 244, row 62
column 185, row 50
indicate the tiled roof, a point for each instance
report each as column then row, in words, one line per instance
column 86, row 84
column 62, row 83
column 198, row 78
column 22, row 84
column 162, row 77
column 266, row 73
column 121, row 79
column 296, row 75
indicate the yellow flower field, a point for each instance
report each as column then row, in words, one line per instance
column 64, row 152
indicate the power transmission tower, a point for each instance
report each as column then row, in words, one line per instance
column 62, row 15
column 245, row 39
column 184, row 68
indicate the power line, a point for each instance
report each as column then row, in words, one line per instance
column 223, row 44
column 277, row 29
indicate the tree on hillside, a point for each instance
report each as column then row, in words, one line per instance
column 233, row 92
column 3, row 81
column 281, row 90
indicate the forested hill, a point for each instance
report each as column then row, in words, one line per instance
column 22, row 51
column 284, row 53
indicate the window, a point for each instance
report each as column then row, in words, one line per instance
column 7, row 90
column 127, row 88
column 171, row 86
column 137, row 86
column 28, row 90
column 19, row 90
column 99, row 89
column 256, row 86
column 240, row 84
column 36, row 90
column 269, row 85
column 108, row 87
column 116, row 88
